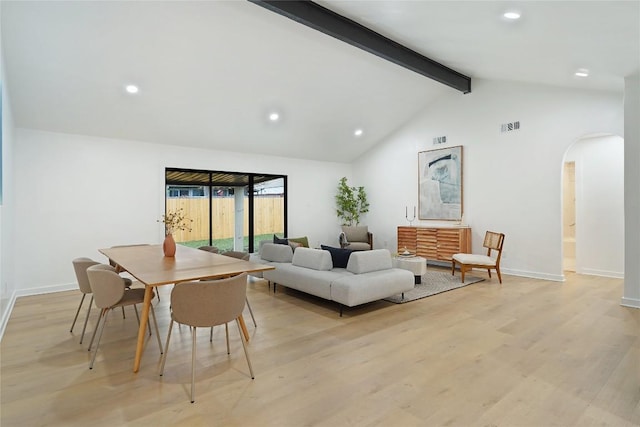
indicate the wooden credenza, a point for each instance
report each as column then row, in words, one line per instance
column 435, row 243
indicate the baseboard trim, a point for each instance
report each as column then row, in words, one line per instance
column 520, row 273
column 46, row 290
column 534, row 275
column 603, row 273
column 6, row 314
column 630, row 302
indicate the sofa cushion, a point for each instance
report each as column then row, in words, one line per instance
column 339, row 257
column 276, row 253
column 280, row 241
column 367, row 261
column 302, row 240
column 358, row 246
column 315, row 259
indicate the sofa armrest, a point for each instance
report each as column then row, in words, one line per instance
column 276, row 253
column 367, row 261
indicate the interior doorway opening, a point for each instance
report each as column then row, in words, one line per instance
column 569, row 216
column 593, row 206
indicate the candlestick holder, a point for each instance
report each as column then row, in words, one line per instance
column 406, row 215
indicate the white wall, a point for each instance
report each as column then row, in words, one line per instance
column 631, row 293
column 7, row 284
column 599, row 166
column 76, row 194
column 512, row 181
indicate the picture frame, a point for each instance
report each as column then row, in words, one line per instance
column 440, row 184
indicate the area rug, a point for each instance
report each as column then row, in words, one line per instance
column 434, row 282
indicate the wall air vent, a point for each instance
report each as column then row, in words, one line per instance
column 439, row 140
column 508, row 127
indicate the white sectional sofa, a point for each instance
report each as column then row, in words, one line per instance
column 368, row 276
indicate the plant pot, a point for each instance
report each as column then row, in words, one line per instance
column 169, row 246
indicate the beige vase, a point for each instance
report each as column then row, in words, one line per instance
column 169, row 246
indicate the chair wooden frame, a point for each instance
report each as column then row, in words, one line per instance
column 344, row 241
column 493, row 242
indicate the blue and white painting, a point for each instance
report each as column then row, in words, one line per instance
column 440, row 184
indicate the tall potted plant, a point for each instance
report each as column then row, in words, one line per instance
column 351, row 202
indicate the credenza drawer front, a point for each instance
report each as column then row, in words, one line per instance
column 435, row 243
column 427, row 243
column 407, row 239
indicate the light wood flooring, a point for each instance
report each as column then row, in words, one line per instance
column 527, row 353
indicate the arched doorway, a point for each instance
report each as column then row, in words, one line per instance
column 593, row 206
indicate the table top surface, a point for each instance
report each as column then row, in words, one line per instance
column 148, row 264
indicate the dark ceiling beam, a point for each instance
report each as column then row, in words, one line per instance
column 329, row 22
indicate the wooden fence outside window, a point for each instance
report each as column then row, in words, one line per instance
column 269, row 216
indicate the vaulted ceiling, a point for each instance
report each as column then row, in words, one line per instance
column 210, row 73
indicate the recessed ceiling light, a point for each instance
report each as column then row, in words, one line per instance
column 511, row 15
column 274, row 117
column 358, row 132
column 131, row 89
column 582, row 73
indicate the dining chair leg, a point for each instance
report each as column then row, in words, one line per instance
column 211, row 334
column 166, row 349
column 123, row 315
column 155, row 323
column 244, row 346
column 137, row 316
column 135, row 308
column 77, row 312
column 193, row 363
column 93, row 336
column 86, row 320
column 226, row 330
column 251, row 312
column 104, row 322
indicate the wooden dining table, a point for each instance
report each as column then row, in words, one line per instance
column 150, row 267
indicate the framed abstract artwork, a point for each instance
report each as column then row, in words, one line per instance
column 440, row 184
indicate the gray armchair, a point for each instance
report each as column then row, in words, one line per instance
column 356, row 237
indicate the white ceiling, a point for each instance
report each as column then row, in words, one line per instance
column 209, row 72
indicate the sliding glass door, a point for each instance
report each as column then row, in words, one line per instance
column 269, row 210
column 230, row 210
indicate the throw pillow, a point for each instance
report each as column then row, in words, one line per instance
column 294, row 245
column 280, row 241
column 339, row 257
column 302, row 240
